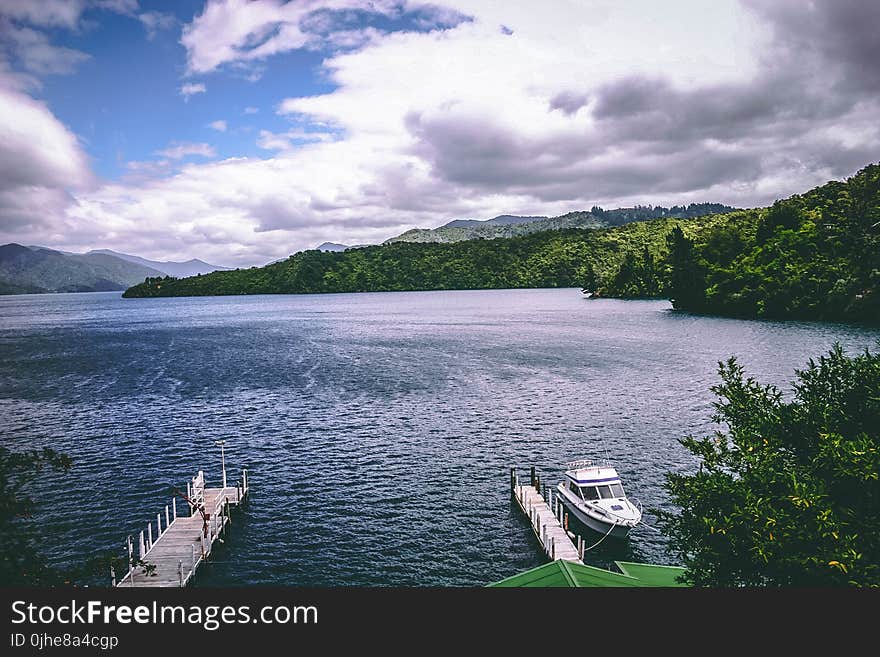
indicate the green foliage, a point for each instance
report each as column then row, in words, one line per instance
column 813, row 256
column 458, row 231
column 686, row 274
column 635, row 277
column 561, row 258
column 788, row 495
column 21, row 561
column 26, row 270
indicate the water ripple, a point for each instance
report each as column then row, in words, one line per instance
column 378, row 428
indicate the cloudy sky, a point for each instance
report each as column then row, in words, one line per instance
column 240, row 132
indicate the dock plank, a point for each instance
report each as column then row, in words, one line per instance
column 554, row 539
column 186, row 542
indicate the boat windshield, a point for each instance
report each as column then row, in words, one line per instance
column 590, row 493
column 608, row 492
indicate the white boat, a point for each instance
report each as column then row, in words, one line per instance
column 594, row 495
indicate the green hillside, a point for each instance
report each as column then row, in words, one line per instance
column 508, row 226
column 813, row 256
column 545, row 259
column 34, row 269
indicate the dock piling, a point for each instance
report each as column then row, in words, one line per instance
column 166, row 551
column 545, row 515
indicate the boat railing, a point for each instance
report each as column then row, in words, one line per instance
column 577, row 465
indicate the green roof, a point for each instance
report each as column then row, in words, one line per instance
column 652, row 575
column 574, row 575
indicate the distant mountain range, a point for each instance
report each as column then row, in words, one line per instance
column 507, row 225
column 36, row 269
column 332, row 246
column 171, row 268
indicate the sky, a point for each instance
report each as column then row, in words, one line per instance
column 240, row 132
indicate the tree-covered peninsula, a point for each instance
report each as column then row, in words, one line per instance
column 812, row 256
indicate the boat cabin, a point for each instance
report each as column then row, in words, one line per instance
column 591, row 482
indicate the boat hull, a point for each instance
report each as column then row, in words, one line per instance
column 596, row 524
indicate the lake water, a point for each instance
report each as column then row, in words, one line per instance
column 378, row 428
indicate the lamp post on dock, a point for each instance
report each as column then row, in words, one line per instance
column 222, row 444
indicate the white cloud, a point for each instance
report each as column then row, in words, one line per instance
column 41, row 162
column 47, row 13
column 155, row 21
column 250, row 110
column 191, row 89
column 219, row 125
column 283, row 141
column 61, row 13
column 34, row 52
column 229, row 31
column 612, row 103
column 177, row 151
column 127, row 7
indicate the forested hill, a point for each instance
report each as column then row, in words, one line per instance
column 546, row 259
column 814, row 255
column 512, row 226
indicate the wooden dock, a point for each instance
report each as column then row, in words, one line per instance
column 171, row 557
column 548, row 519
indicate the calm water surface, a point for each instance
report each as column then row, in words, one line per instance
column 378, row 428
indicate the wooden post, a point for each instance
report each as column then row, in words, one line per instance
column 581, row 547
column 159, row 525
column 189, row 496
column 532, row 475
column 180, row 572
column 566, row 521
column 149, row 536
column 113, row 574
column 142, row 546
column 553, row 548
column 174, row 507
column 167, row 518
column 512, row 481
column 202, row 541
column 244, row 481
column 228, row 515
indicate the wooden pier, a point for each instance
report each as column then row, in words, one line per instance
column 171, row 557
column 548, row 518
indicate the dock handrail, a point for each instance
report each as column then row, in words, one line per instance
column 214, row 507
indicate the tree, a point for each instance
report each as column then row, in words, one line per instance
column 626, row 282
column 788, row 495
column 589, row 281
column 686, row 285
column 782, row 214
column 21, row 561
column 648, row 274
